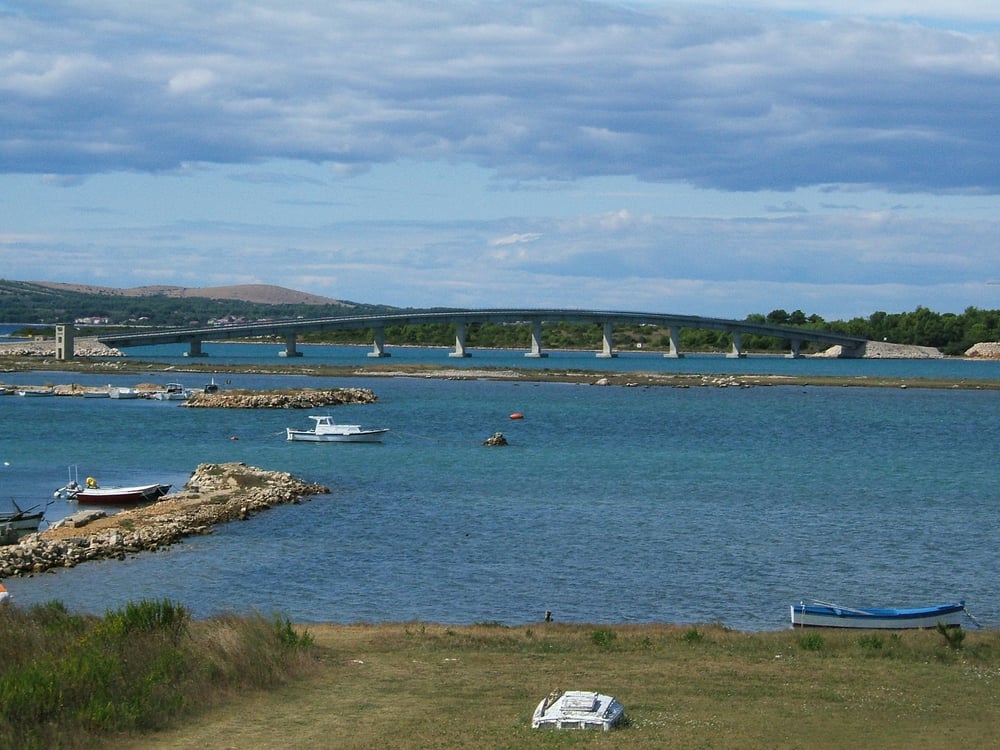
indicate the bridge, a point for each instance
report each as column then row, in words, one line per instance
column 290, row 330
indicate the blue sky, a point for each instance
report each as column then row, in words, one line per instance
column 695, row 158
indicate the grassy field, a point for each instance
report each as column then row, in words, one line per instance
column 432, row 686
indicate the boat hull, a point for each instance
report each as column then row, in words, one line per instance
column 363, row 436
column 831, row 616
column 121, row 495
column 577, row 709
column 21, row 523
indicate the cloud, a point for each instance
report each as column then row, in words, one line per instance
column 733, row 100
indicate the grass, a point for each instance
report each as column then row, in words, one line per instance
column 430, row 686
column 68, row 681
column 266, row 684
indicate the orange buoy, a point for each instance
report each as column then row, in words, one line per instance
column 517, row 415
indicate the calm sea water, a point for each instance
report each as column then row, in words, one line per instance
column 610, row 505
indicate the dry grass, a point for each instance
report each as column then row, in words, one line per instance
column 430, row 686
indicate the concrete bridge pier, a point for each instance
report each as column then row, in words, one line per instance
column 291, row 344
column 674, row 352
column 737, row 352
column 194, row 349
column 379, row 344
column 460, row 332
column 536, row 340
column 795, row 353
column 606, row 343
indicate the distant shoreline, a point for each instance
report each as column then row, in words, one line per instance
column 121, row 366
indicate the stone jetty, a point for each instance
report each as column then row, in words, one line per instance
column 215, row 493
column 292, row 399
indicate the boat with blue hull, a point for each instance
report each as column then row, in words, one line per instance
column 826, row 615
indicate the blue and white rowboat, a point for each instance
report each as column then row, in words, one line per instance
column 823, row 614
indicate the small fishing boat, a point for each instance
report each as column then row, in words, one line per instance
column 18, row 522
column 327, row 431
column 826, row 615
column 141, row 493
column 91, row 493
column 173, row 392
column 577, row 709
column 123, row 393
column 36, row 392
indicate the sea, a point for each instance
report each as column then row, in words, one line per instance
column 609, row 505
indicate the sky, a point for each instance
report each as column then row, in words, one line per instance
column 722, row 159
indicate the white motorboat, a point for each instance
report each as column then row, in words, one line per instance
column 327, row 431
column 173, row 392
column 123, row 393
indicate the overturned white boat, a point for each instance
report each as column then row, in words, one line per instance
column 578, row 709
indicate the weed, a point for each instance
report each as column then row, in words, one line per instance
column 603, row 637
column 692, row 635
column 811, row 642
column 954, row 637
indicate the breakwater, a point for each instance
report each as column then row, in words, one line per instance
column 216, row 493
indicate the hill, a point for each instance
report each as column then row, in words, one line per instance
column 262, row 294
column 44, row 303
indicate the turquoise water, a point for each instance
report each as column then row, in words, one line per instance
column 610, row 505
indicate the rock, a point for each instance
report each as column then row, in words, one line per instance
column 884, row 350
column 984, row 350
column 495, row 439
column 300, row 399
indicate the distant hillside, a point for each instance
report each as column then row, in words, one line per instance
column 262, row 294
column 50, row 302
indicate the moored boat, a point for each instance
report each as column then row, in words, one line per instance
column 140, row 493
column 91, row 493
column 826, row 615
column 123, row 393
column 327, row 431
column 18, row 522
column 36, row 392
column 173, row 392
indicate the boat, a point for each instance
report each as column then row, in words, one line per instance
column 123, row 393
column 91, row 493
column 824, row 614
column 173, row 392
column 97, row 393
column 19, row 522
column 578, row 709
column 36, row 392
column 327, row 431
column 4, row 594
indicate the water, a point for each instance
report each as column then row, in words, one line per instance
column 610, row 505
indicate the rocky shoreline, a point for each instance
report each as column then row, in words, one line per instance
column 215, row 493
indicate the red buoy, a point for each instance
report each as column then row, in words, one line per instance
column 517, row 415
